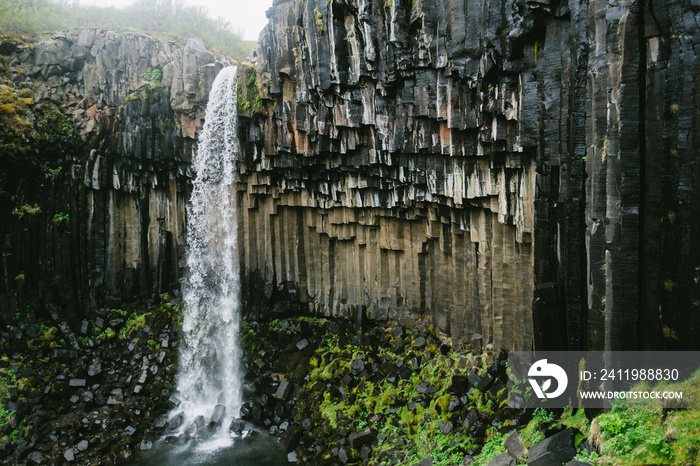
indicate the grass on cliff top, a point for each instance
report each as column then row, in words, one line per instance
column 167, row 19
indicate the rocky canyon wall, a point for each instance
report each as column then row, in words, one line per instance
column 521, row 173
column 98, row 134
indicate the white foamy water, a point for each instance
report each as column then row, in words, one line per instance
column 209, row 354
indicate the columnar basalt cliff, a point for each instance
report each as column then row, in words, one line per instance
column 521, row 173
column 98, row 137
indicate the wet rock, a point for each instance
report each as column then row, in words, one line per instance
column 557, row 449
column 445, row 427
column 146, row 445
column 291, row 440
column 199, row 422
column 503, row 459
column 419, row 342
column 69, row 455
column 94, row 368
column 176, row 422
column 425, row 388
column 77, row 383
column 428, row 461
column 82, row 445
column 217, row 415
column 237, row 426
column 357, row 366
column 459, row 384
column 283, row 390
column 160, row 422
column 552, row 430
column 343, row 455
column 357, row 439
column 513, row 445
column 302, row 344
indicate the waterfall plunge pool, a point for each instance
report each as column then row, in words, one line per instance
column 256, row 449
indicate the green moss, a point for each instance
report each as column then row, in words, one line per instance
column 249, row 101
column 329, row 410
column 577, row 420
column 319, row 20
column 495, row 445
column 134, row 323
column 48, row 337
column 28, row 127
column 154, row 77
column 539, row 45
column 444, row 402
column 60, row 217
column 390, row 406
column 531, row 434
column 27, row 209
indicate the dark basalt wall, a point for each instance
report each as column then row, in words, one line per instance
column 96, row 162
column 521, row 173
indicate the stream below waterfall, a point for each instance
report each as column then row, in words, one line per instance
column 256, row 450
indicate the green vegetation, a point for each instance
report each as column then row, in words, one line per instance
column 413, row 409
column 167, row 19
column 411, row 414
column 319, row 20
column 27, row 209
column 7, row 380
column 27, row 125
column 249, row 100
column 538, row 48
column 154, row 76
column 41, row 356
column 48, row 337
column 530, row 435
column 61, row 217
column 642, row 432
column 494, row 446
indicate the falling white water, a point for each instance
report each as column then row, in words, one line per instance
column 209, row 355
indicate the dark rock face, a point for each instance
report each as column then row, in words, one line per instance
column 557, row 449
column 521, row 172
column 93, row 202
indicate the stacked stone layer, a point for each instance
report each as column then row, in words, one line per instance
column 505, row 168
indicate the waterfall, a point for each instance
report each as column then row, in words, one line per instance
column 208, row 377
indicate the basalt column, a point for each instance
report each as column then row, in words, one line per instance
column 521, row 173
